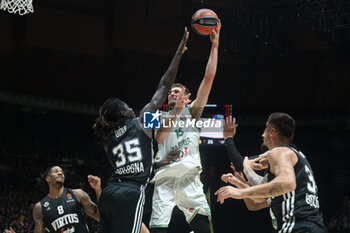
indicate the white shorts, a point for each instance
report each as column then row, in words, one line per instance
column 185, row 192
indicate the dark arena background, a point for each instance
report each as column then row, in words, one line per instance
column 59, row 63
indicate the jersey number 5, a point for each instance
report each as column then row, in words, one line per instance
column 132, row 152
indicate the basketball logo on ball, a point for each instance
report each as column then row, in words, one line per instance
column 204, row 21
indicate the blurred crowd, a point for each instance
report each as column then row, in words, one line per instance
column 340, row 222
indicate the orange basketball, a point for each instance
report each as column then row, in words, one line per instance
column 204, row 21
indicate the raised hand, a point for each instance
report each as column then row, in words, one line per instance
column 95, row 182
column 214, row 36
column 182, row 46
column 230, row 127
column 182, row 99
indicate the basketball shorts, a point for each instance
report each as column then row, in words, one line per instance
column 303, row 227
column 185, row 192
column 121, row 207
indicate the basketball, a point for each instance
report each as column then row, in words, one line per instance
column 204, row 21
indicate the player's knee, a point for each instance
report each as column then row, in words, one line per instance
column 200, row 224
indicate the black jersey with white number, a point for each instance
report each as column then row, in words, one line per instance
column 130, row 152
column 302, row 203
column 64, row 214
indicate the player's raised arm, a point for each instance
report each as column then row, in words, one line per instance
column 168, row 78
column 204, row 89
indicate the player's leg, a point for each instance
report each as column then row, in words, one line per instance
column 144, row 229
column 305, row 226
column 200, row 224
column 162, row 206
column 193, row 203
column 123, row 204
column 104, row 208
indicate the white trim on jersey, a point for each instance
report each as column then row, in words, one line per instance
column 288, row 212
column 139, row 211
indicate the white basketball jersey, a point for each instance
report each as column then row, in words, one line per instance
column 183, row 136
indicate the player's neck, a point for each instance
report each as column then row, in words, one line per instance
column 56, row 191
column 279, row 143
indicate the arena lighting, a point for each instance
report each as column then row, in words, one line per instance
column 326, row 15
column 47, row 103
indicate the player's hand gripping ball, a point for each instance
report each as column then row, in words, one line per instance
column 204, row 21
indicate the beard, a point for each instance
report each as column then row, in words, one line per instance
column 59, row 182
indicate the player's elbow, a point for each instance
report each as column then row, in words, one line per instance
column 290, row 185
column 252, row 208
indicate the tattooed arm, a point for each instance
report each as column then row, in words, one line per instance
column 240, row 182
column 282, row 161
column 90, row 208
column 38, row 219
column 253, row 178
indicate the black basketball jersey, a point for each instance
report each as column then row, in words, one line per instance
column 301, row 204
column 64, row 214
column 130, row 152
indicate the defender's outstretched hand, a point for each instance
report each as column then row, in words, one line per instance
column 230, row 127
column 182, row 46
column 228, row 192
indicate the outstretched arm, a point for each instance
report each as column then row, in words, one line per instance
column 168, row 78
column 90, row 208
column 282, row 161
column 229, row 132
column 240, row 182
column 204, row 89
column 38, row 219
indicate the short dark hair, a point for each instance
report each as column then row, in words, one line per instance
column 48, row 170
column 109, row 115
column 182, row 86
column 284, row 123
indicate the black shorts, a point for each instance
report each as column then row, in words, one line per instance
column 305, row 227
column 121, row 207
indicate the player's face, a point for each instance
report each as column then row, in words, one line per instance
column 173, row 94
column 266, row 136
column 128, row 112
column 56, row 176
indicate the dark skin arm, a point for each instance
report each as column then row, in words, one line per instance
column 168, row 78
column 38, row 219
column 90, row 208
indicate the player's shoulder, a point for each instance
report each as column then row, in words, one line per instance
column 37, row 205
column 282, row 152
column 78, row 192
column 37, row 210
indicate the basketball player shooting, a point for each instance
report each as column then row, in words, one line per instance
column 178, row 183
